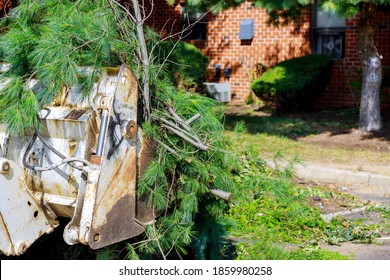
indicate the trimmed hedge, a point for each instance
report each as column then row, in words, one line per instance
column 186, row 66
column 295, row 83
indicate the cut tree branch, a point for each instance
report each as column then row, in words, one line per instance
column 185, row 137
column 178, row 118
column 192, row 119
column 144, row 57
column 169, row 149
column 172, row 125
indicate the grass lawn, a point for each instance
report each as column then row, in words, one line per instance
column 329, row 139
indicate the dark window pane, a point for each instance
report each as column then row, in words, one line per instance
column 195, row 25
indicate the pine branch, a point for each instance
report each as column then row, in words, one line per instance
column 85, row 44
column 124, row 32
column 156, row 239
column 221, row 194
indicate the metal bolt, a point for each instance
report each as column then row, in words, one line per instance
column 105, row 102
column 96, row 237
column 5, row 167
column 129, row 129
column 21, row 248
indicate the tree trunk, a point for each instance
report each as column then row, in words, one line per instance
column 370, row 116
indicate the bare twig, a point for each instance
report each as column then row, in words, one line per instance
column 177, row 148
column 126, row 10
column 185, row 137
column 168, row 123
column 179, row 35
column 123, row 32
column 151, row 10
column 166, row 56
column 178, row 118
column 192, row 119
column 169, row 149
column 221, row 194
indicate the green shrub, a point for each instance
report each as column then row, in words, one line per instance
column 294, row 83
column 186, row 65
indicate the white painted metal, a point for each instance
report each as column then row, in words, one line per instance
column 22, row 218
column 89, row 205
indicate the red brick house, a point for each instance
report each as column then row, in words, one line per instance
column 218, row 36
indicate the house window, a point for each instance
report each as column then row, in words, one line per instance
column 328, row 33
column 194, row 24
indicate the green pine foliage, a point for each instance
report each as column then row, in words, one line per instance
column 178, row 182
column 285, row 11
column 18, row 105
column 50, row 40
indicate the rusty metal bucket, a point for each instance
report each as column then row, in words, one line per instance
column 84, row 164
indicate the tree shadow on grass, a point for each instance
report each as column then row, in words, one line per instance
column 327, row 128
column 291, row 125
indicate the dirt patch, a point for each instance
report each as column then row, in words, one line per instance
column 353, row 139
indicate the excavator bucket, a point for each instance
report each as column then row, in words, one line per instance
column 83, row 164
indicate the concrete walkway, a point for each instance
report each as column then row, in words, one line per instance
column 370, row 186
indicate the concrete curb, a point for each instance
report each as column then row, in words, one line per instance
column 370, row 186
column 383, row 240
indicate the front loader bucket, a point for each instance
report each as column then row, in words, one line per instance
column 83, row 165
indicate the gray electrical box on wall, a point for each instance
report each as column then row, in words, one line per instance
column 219, row 91
column 247, row 29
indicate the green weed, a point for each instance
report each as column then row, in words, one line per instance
column 342, row 230
column 384, row 211
column 263, row 250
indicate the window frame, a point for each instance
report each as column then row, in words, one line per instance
column 322, row 31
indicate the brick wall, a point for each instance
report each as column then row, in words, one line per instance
column 224, row 47
column 346, row 71
column 274, row 44
column 5, row 5
column 268, row 46
column 165, row 19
